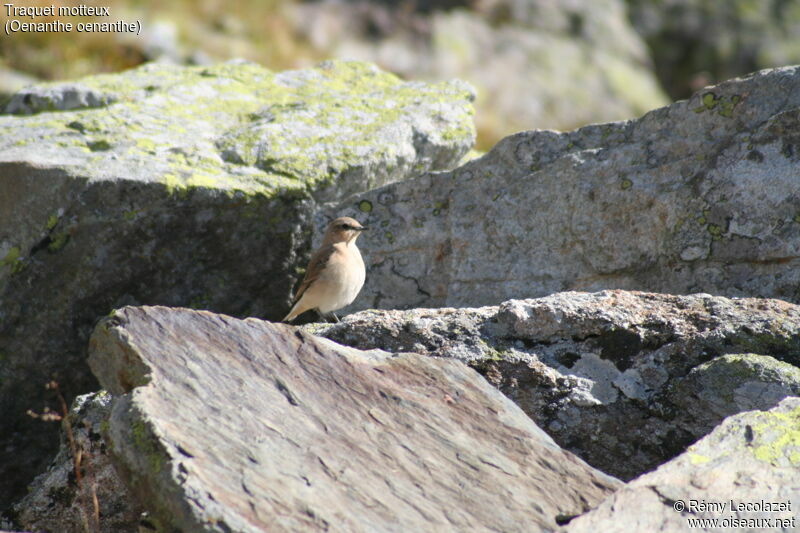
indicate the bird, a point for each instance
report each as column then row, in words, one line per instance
column 335, row 273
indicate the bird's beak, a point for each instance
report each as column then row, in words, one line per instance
column 363, row 228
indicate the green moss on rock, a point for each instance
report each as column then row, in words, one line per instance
column 710, row 101
column 148, row 445
column 726, row 373
column 13, row 259
column 58, row 241
column 241, row 127
column 52, row 220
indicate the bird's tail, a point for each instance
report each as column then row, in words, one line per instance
column 293, row 312
column 291, row 316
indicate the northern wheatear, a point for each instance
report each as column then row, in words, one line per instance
column 335, row 272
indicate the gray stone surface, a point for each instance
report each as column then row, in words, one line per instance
column 625, row 380
column 182, row 186
column 699, row 196
column 223, row 424
column 731, row 384
column 57, row 503
column 751, row 459
column 58, row 97
column 535, row 63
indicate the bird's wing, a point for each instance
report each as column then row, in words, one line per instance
column 315, row 267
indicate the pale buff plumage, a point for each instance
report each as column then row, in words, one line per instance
column 335, row 273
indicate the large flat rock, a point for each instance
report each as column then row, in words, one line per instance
column 699, row 196
column 220, row 424
column 742, row 477
column 340, row 127
column 186, row 186
column 626, row 380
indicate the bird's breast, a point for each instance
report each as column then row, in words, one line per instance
column 344, row 276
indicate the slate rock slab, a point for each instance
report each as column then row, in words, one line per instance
column 220, row 424
column 186, row 186
column 626, row 380
column 698, row 196
column 750, row 464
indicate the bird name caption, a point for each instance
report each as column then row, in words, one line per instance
column 42, row 19
column 759, row 514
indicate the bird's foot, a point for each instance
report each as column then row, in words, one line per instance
column 330, row 318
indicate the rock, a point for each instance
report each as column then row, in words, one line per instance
column 222, row 424
column 57, row 502
column 750, row 460
column 694, row 43
column 699, row 196
column 624, row 380
column 536, row 63
column 731, row 384
column 182, row 186
column 62, row 97
column 335, row 129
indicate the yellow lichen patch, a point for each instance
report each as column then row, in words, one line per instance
column 51, row 222
column 173, row 183
column 202, row 180
column 472, row 154
column 14, row 260
column 147, row 145
column 58, row 241
column 698, row 459
column 777, row 438
column 715, row 231
column 365, row 206
column 723, row 105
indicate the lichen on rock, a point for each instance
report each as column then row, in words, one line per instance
column 749, row 464
column 240, row 127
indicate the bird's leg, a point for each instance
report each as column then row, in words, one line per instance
column 328, row 317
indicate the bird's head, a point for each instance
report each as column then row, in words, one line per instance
column 343, row 229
